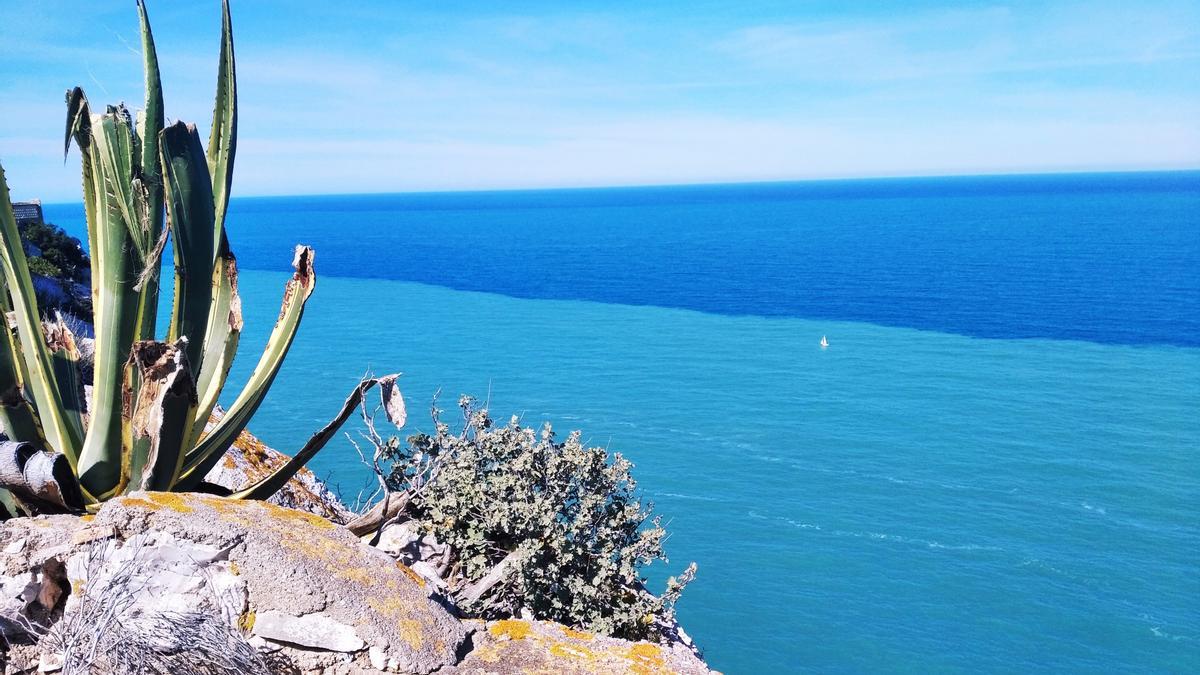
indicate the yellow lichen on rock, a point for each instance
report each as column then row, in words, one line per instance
column 645, row 658
column 547, row 647
column 576, row 634
column 135, row 502
column 513, row 629
column 412, row 632
column 565, row 650
column 169, row 500
column 408, row 572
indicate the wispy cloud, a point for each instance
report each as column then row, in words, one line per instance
column 980, row 41
column 366, row 97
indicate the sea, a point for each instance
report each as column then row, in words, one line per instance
column 993, row 467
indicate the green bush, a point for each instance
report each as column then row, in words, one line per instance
column 566, row 517
column 61, row 257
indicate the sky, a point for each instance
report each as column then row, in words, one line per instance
column 391, row 96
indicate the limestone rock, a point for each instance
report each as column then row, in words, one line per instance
column 311, row 630
column 295, row 563
column 307, row 594
column 423, row 553
column 159, row 573
column 400, row 539
column 517, row 646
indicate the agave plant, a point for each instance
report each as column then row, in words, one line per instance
column 144, row 425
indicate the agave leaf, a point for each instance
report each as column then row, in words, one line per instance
column 209, row 451
column 222, row 336
column 225, row 315
column 61, row 434
column 150, row 125
column 116, row 264
column 189, row 200
column 152, row 117
column 79, row 128
column 113, row 144
column 42, row 482
column 8, row 505
column 65, row 356
column 161, row 414
column 222, row 139
column 271, row 484
column 79, row 124
column 17, row 415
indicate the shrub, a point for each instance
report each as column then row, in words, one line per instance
column 65, row 269
column 555, row 528
column 61, row 256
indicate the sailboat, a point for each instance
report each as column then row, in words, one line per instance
column 824, row 342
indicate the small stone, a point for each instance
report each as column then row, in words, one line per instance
column 428, row 572
column 398, row 538
column 311, row 630
column 377, row 657
column 15, row 546
column 49, row 663
column 87, row 534
column 18, row 586
column 263, row 645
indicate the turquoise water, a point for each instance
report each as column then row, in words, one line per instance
column 904, row 500
column 992, row 468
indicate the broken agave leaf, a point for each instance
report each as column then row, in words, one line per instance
column 166, row 402
column 37, row 477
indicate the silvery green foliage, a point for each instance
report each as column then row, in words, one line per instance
column 566, row 517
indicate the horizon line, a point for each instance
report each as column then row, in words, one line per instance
column 713, row 183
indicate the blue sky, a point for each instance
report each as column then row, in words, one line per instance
column 367, row 96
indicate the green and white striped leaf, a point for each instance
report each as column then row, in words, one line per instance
column 17, row 416
column 189, row 200
column 149, row 126
column 222, row 139
column 221, row 341
column 296, row 293
column 61, row 433
column 116, row 266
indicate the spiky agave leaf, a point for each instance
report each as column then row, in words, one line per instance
column 149, row 126
column 189, row 200
column 61, row 433
column 116, row 266
column 296, row 293
column 225, row 314
column 17, row 416
column 79, row 129
column 65, row 356
column 221, row 339
column 222, row 139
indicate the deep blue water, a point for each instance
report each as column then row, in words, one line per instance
column 1106, row 258
column 992, row 468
